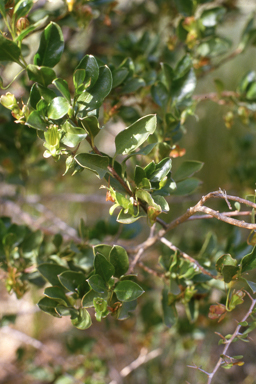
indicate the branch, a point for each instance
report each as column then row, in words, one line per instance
column 143, row 358
column 228, row 342
column 216, row 97
column 187, row 257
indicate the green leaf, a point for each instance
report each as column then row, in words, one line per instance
column 22, row 8
column 187, row 169
column 31, row 243
column 133, row 85
column 128, row 291
column 160, row 94
column 78, row 78
column 249, row 261
column 228, row 272
column 71, row 280
column 62, row 86
column 57, row 294
column 213, row 47
column 184, row 7
column 103, row 267
column 223, row 260
column 120, row 260
column 97, row 283
column 90, row 296
column 160, row 200
column 103, row 249
column 51, row 46
column 35, row 121
column 248, row 35
column 41, row 75
column 73, row 135
column 37, row 92
column 135, row 135
column 2, row 7
column 146, row 196
column 119, row 75
column 124, row 218
column 30, row 28
column 124, row 312
column 91, row 124
column 95, row 163
column 183, row 87
column 169, row 311
column 82, row 320
column 89, row 63
column 162, row 169
column 143, row 152
column 49, row 306
column 185, row 187
column 252, row 285
column 183, row 67
column 58, row 108
column 51, row 271
column 93, row 97
column 9, row 51
column 211, row 17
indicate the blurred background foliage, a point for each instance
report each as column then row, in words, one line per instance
column 219, row 137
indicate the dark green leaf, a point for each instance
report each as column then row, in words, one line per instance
column 62, row 86
column 103, row 267
column 211, row 17
column 135, row 135
column 51, row 46
column 187, row 169
column 95, row 163
column 41, row 75
column 2, row 7
column 169, row 311
column 97, row 283
column 228, row 272
column 9, row 51
column 35, row 121
column 91, row 124
column 31, row 243
column 183, row 67
column 133, row 85
column 22, row 8
column 214, row 46
column 249, row 261
column 89, row 297
column 57, row 294
column 82, row 320
column 162, row 170
column 185, row 7
column 119, row 75
column 71, row 280
column 185, row 187
column 160, row 94
column 120, row 260
column 144, row 151
column 51, row 271
column 89, row 63
column 30, row 28
column 124, row 312
column 252, row 285
column 128, row 290
column 103, row 249
column 49, row 306
column 183, row 87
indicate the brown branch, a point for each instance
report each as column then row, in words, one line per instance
column 216, row 97
column 228, row 342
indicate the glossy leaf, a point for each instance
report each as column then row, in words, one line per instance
column 211, row 17
column 35, row 121
column 135, row 135
column 9, row 51
column 185, row 187
column 62, row 86
column 103, row 267
column 144, row 151
column 183, row 67
column 22, row 8
column 91, row 124
column 128, row 291
column 249, row 261
column 120, row 260
column 73, row 135
column 71, row 280
column 30, row 29
column 82, row 320
column 41, row 75
column 184, row 86
column 162, row 169
column 51, row 271
column 97, row 283
column 119, row 75
column 58, row 108
column 51, row 46
column 95, row 163
column 89, row 63
column 187, row 169
column 214, row 46
column 160, row 94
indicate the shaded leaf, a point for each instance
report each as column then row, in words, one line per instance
column 169, row 311
column 97, row 283
column 51, row 46
column 49, row 306
column 9, row 51
column 249, row 261
column 187, row 169
column 95, row 163
column 42, row 75
column 51, row 271
column 35, row 121
column 103, row 267
column 71, row 280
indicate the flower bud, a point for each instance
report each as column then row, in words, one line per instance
column 8, row 101
column 22, row 23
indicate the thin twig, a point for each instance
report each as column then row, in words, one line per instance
column 187, row 257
